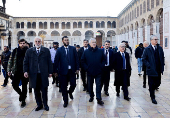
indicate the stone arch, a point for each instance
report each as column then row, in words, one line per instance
column 79, row 24
column 108, row 24
column 41, row 25
column 111, row 33
column 158, row 15
column 45, row 25
column 143, row 24
column 150, row 23
column 42, row 32
column 22, row 24
column 97, row 24
column 91, row 24
column 55, row 33
column 89, row 34
column 34, row 25
column 86, row 24
column 63, row 25
column 31, row 33
column 28, row 24
column 68, row 25
column 124, row 31
column 56, row 25
column 51, row 25
column 17, row 25
column 74, row 24
column 66, row 33
column 102, row 24
column 100, row 34
column 127, row 29
column 20, row 35
column 113, row 24
column 136, row 25
column 76, row 33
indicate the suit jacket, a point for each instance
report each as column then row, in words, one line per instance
column 93, row 61
column 149, row 60
column 31, row 62
column 118, row 67
column 110, row 58
column 139, row 52
column 80, row 53
column 61, row 63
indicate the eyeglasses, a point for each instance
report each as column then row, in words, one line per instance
column 37, row 41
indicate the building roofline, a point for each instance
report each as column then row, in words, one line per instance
column 71, row 17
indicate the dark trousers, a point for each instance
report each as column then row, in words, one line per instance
column 64, row 79
column 15, row 83
column 144, row 77
column 90, row 80
column 55, row 79
column 40, row 92
column 154, row 82
column 83, row 77
column 124, row 85
column 105, row 78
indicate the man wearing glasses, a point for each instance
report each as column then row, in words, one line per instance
column 153, row 58
column 122, row 67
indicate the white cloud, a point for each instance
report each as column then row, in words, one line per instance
column 55, row 8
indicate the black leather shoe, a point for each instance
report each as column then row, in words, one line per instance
column 65, row 104
column 117, row 95
column 127, row 98
column 30, row 90
column 71, row 95
column 106, row 93
column 84, row 89
column 144, row 86
column 4, row 85
column 23, row 104
column 91, row 99
column 53, row 82
column 157, row 89
column 38, row 108
column 46, row 108
column 154, row 101
column 100, row 102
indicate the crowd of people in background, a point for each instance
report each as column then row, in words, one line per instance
column 36, row 64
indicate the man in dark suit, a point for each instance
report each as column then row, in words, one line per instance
column 153, row 58
column 38, row 65
column 93, row 61
column 122, row 67
column 67, row 64
column 145, row 44
column 82, row 71
column 108, row 67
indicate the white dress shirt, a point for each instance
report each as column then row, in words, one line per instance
column 38, row 63
column 153, row 47
column 85, row 48
column 69, row 66
column 125, row 58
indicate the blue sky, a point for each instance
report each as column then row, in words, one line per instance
column 56, row 8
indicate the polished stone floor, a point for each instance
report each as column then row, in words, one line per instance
column 114, row 107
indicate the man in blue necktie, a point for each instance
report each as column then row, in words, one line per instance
column 122, row 67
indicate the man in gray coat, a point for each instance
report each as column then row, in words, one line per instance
column 38, row 66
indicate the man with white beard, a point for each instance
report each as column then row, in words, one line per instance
column 38, row 67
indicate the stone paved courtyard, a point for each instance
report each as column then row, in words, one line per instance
column 114, row 107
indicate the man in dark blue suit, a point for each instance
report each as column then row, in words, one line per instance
column 153, row 58
column 93, row 61
column 108, row 67
column 66, row 64
column 122, row 67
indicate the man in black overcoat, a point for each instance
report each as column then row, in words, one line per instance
column 122, row 67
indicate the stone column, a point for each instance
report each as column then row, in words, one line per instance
column 126, row 36
column 147, row 33
column 83, row 25
column 37, row 25
column 135, row 38
column 140, row 35
column 59, row 25
column 48, row 24
column 130, row 38
column 94, row 25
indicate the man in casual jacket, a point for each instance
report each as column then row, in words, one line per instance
column 93, row 61
column 138, row 55
column 153, row 58
column 38, row 67
column 4, row 60
column 15, row 65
